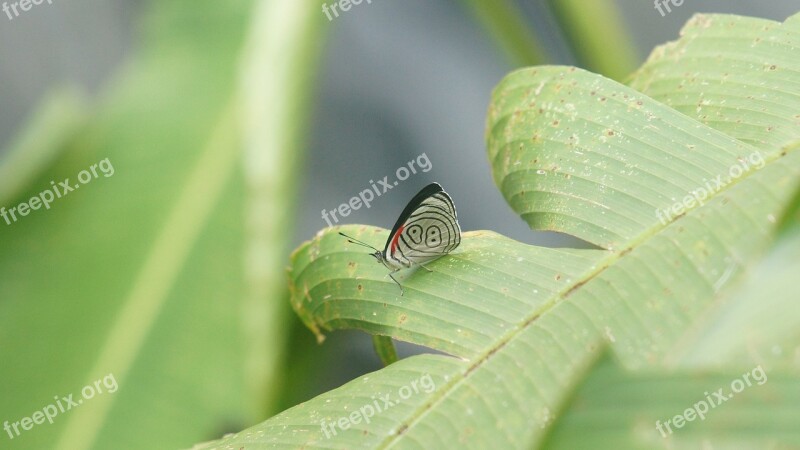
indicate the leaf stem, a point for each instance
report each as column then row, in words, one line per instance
column 503, row 21
column 384, row 347
column 596, row 34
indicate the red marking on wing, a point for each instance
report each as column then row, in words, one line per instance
column 395, row 238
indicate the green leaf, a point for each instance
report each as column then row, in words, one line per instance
column 615, row 409
column 139, row 275
column 410, row 385
column 757, row 323
column 734, row 74
column 479, row 304
column 478, row 293
column 577, row 153
column 647, row 169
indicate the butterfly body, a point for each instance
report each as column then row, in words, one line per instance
column 427, row 229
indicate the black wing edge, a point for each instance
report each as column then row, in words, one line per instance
column 426, row 192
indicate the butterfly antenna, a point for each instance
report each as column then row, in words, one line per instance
column 356, row 241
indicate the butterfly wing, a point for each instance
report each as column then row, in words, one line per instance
column 426, row 229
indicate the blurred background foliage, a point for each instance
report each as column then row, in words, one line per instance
column 230, row 126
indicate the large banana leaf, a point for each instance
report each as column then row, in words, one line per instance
column 138, row 278
column 577, row 153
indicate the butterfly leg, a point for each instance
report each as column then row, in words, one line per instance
column 398, row 283
column 425, row 267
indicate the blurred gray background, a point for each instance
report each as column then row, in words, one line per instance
column 399, row 78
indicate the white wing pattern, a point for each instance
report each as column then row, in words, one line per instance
column 427, row 229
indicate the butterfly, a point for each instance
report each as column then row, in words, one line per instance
column 426, row 230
